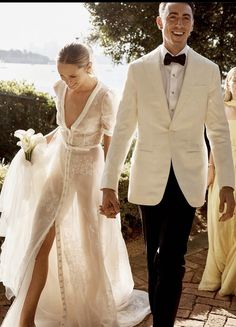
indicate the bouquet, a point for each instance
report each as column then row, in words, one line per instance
column 28, row 141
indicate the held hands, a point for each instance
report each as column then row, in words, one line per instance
column 110, row 204
column 227, row 203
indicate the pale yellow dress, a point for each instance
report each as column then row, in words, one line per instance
column 220, row 269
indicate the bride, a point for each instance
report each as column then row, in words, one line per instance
column 62, row 261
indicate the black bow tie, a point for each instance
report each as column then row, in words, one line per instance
column 180, row 59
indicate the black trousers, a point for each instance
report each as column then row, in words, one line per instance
column 166, row 228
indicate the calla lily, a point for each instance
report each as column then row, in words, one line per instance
column 28, row 141
column 22, row 133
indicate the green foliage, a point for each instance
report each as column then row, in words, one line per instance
column 125, row 30
column 128, row 30
column 23, row 107
column 24, row 88
column 128, row 158
column 214, row 34
column 130, row 218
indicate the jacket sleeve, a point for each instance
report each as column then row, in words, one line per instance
column 217, row 129
column 125, row 126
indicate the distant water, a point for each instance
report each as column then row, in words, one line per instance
column 45, row 76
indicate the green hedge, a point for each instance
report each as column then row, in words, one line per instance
column 130, row 217
column 22, row 107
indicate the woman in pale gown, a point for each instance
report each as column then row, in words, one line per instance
column 62, row 261
column 220, row 269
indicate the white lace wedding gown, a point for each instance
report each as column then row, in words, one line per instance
column 89, row 282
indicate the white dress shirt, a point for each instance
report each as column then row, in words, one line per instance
column 172, row 76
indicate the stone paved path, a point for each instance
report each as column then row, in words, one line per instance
column 197, row 308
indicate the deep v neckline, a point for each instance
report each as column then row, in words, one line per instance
column 84, row 110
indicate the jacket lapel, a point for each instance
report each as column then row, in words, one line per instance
column 154, row 79
column 187, row 83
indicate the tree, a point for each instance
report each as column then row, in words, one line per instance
column 127, row 31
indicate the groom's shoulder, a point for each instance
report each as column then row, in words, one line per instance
column 141, row 60
column 202, row 59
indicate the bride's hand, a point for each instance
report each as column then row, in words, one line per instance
column 109, row 213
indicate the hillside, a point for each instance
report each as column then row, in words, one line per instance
column 23, row 57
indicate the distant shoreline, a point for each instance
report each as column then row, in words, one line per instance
column 28, row 62
column 23, row 57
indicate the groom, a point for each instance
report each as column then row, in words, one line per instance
column 170, row 95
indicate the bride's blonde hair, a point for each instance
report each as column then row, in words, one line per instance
column 231, row 74
column 77, row 54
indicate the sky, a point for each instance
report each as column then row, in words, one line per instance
column 42, row 27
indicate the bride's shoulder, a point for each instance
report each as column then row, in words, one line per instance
column 59, row 87
column 106, row 90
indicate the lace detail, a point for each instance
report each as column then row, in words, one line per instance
column 48, row 207
column 60, row 274
column 84, row 167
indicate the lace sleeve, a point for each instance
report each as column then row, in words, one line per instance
column 109, row 111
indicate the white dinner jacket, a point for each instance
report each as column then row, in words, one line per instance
column 161, row 139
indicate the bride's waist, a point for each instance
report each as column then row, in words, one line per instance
column 81, row 142
column 80, row 148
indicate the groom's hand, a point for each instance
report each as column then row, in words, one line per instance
column 110, row 204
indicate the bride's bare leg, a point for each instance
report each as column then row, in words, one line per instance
column 38, row 281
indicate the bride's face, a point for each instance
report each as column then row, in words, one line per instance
column 73, row 76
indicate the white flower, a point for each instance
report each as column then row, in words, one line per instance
column 28, row 141
column 22, row 133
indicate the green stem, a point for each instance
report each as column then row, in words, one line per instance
column 28, row 156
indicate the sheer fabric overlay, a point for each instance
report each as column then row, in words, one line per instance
column 90, row 281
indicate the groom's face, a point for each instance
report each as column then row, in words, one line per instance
column 176, row 22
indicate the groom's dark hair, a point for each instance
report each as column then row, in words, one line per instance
column 162, row 6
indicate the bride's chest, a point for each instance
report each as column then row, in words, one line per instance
column 74, row 105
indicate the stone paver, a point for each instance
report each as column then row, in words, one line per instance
column 197, row 308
